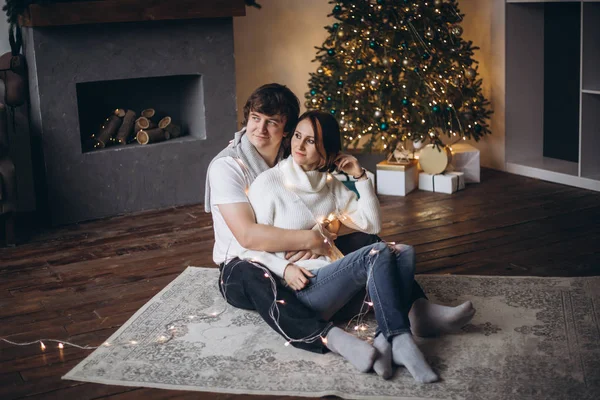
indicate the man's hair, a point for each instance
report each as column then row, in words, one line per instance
column 274, row 99
column 327, row 137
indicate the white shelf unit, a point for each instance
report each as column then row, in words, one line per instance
column 526, row 92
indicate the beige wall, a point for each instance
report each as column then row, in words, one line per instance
column 276, row 44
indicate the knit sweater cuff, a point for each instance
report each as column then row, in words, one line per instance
column 365, row 186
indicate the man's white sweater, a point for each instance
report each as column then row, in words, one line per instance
column 288, row 197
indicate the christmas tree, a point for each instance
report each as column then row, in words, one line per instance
column 399, row 71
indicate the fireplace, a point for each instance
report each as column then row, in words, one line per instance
column 79, row 73
column 180, row 97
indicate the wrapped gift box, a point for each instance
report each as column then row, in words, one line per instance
column 461, row 178
column 396, row 179
column 426, row 181
column 447, row 183
column 465, row 158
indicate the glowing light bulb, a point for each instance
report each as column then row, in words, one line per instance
column 42, row 346
column 61, row 346
column 287, row 344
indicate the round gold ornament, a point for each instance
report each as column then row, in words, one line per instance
column 434, row 160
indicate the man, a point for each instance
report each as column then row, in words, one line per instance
column 270, row 114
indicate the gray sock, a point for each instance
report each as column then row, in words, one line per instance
column 360, row 353
column 383, row 362
column 405, row 352
column 429, row 319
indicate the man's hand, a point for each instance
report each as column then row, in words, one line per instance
column 296, row 277
column 293, row 256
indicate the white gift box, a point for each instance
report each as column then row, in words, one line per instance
column 465, row 158
column 445, row 183
column 461, row 178
column 426, row 181
column 396, row 179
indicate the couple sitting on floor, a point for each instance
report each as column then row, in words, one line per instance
column 270, row 214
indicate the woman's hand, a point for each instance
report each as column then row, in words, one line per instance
column 348, row 164
column 321, row 241
column 296, row 277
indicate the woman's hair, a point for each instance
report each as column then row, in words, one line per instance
column 274, row 99
column 327, row 137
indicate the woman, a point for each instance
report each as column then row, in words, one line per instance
column 299, row 193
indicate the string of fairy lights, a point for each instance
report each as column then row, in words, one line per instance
column 399, row 71
column 172, row 326
column 357, row 321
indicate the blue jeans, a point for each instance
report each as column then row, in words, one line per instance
column 387, row 273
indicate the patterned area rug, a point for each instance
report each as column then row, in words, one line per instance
column 532, row 338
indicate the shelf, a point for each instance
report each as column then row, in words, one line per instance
column 590, row 135
column 590, row 60
column 107, row 11
column 552, row 176
column 549, row 164
column 553, row 104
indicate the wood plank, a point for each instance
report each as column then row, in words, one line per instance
column 40, row 380
column 107, row 11
column 8, row 307
column 79, row 390
column 12, row 378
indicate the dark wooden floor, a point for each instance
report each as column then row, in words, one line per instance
column 81, row 282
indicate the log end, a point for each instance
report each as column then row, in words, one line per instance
column 142, row 137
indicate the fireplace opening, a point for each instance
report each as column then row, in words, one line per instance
column 179, row 97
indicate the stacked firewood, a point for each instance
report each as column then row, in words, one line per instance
column 124, row 127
